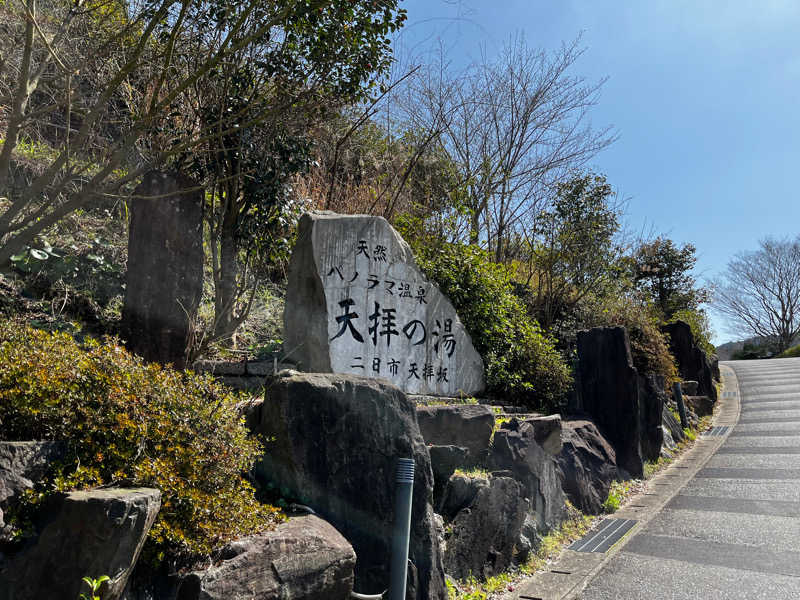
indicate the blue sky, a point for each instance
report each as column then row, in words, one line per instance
column 704, row 95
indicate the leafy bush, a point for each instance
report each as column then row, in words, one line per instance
column 522, row 363
column 792, row 352
column 133, row 424
column 649, row 348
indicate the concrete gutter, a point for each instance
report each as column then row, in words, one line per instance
column 568, row 575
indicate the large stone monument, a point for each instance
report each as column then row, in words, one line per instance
column 357, row 303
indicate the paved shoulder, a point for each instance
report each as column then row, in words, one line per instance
column 733, row 531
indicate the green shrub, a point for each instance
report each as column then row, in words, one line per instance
column 617, row 493
column 649, row 349
column 133, row 424
column 701, row 329
column 792, row 352
column 522, row 363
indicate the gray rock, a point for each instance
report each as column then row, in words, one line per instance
column 24, row 463
column 244, row 382
column 672, row 425
column 263, row 368
column 699, row 405
column 91, row 533
column 357, row 303
column 482, row 539
column 459, row 493
column 693, row 364
column 689, row 388
column 466, row 425
column 514, row 448
column 165, row 267
column 609, row 392
column 337, row 441
column 714, row 360
column 669, row 446
column 588, row 465
column 220, row 367
column 547, row 433
column 652, row 397
column 444, row 461
column 304, row 558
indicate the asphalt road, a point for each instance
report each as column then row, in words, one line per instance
column 733, row 531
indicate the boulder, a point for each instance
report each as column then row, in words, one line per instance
column 164, row 280
column 652, row 397
column 689, row 388
column 547, row 433
column 693, row 364
column 304, row 558
column 466, row 425
column 90, row 533
column 444, row 461
column 357, row 303
column 669, row 446
column 609, row 392
column 24, row 463
column 714, row 360
column 701, row 406
column 337, row 439
column 529, row 539
column 587, row 464
column 459, row 493
column 515, row 449
column 482, row 538
column 671, row 423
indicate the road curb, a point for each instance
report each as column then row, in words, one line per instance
column 567, row 577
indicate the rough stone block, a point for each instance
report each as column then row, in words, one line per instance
column 515, row 449
column 91, row 533
column 165, row 267
column 547, row 433
column 24, row 463
column 652, row 397
column 609, row 392
column 466, row 425
column 588, row 465
column 337, row 439
column 444, row 461
column 357, row 303
column 304, row 558
column 220, row 367
column 482, row 538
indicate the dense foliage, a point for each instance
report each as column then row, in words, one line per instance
column 649, row 348
column 132, row 424
column 662, row 270
column 575, row 253
column 522, row 364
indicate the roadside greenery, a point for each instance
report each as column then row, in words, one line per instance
column 128, row 423
column 522, row 363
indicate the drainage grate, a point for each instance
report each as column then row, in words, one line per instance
column 610, row 532
column 718, row 430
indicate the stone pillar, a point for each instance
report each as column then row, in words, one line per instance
column 610, row 392
column 165, row 267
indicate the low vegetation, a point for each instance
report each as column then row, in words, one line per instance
column 522, row 363
column 129, row 423
column 616, row 495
